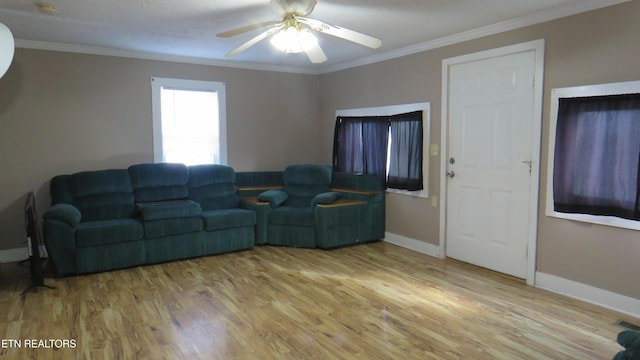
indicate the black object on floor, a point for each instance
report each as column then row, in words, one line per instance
column 31, row 227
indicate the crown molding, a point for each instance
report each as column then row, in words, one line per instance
column 569, row 9
column 523, row 21
column 132, row 54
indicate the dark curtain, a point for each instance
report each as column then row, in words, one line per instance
column 405, row 152
column 597, row 156
column 347, row 144
column 361, row 145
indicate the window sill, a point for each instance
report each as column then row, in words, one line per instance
column 420, row 193
column 599, row 220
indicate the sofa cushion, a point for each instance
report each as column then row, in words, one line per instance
column 274, row 197
column 172, row 209
column 228, row 218
column 303, row 182
column 213, row 186
column 325, row 198
column 59, row 189
column 103, row 232
column 103, row 194
column 165, row 227
column 291, row 215
column 158, row 182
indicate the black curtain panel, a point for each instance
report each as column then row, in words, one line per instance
column 365, row 144
column 360, row 145
column 405, row 152
column 597, row 156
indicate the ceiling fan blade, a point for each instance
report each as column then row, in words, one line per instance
column 244, row 29
column 255, row 40
column 354, row 36
column 315, row 54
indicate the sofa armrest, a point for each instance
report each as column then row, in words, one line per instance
column 324, row 198
column 274, row 197
column 66, row 213
column 630, row 340
column 262, row 210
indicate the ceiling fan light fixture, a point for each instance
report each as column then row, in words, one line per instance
column 294, row 40
column 7, row 48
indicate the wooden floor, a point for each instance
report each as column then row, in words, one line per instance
column 374, row 301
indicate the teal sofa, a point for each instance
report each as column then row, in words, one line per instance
column 630, row 340
column 149, row 213
column 309, row 206
column 152, row 213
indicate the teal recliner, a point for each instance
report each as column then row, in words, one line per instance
column 307, row 213
column 91, row 225
column 630, row 340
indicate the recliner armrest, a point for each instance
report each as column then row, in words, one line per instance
column 64, row 212
column 630, row 340
column 274, row 197
column 324, row 198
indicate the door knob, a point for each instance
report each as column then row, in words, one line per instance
column 451, row 174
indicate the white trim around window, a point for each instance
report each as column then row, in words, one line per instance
column 628, row 87
column 389, row 110
column 157, row 84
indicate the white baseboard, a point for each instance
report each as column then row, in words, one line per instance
column 13, row 255
column 18, row 254
column 607, row 299
column 415, row 245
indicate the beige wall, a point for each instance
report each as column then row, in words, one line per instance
column 596, row 47
column 62, row 113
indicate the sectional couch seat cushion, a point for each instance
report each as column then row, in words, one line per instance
column 293, row 215
column 228, row 218
column 103, row 232
column 167, row 227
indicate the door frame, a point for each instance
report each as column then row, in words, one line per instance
column 537, row 46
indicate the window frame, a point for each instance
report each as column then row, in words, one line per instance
column 158, row 83
column 389, row 110
column 583, row 91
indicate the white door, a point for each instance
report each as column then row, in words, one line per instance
column 489, row 158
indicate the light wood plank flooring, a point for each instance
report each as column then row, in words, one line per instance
column 374, row 301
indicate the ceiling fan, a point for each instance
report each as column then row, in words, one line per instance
column 292, row 34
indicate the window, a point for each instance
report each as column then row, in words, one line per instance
column 189, row 121
column 385, row 141
column 596, row 154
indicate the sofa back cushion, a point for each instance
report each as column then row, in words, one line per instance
column 98, row 195
column 213, row 187
column 303, row 182
column 59, row 189
column 159, row 182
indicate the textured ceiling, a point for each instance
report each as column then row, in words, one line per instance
column 187, row 28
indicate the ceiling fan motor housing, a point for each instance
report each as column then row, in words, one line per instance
column 293, row 7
